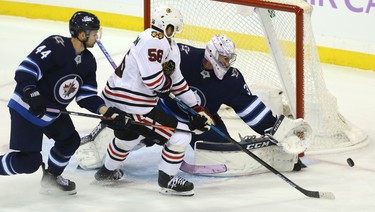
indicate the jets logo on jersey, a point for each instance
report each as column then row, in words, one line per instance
column 66, row 88
column 59, row 40
column 201, row 98
column 235, row 73
column 199, row 95
column 156, row 34
column 185, row 49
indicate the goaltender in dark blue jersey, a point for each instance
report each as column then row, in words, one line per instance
column 213, row 92
column 59, row 75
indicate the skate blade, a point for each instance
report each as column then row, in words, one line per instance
column 57, row 192
column 167, row 191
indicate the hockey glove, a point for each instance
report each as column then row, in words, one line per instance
column 116, row 119
column 168, row 67
column 166, row 89
column 35, row 101
column 292, row 135
column 202, row 120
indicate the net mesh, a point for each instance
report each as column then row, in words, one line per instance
column 272, row 70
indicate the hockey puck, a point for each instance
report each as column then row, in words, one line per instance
column 350, row 162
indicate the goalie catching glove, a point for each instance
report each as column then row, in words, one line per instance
column 116, row 119
column 202, row 120
column 292, row 135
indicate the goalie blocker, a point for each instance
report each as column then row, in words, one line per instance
column 238, row 163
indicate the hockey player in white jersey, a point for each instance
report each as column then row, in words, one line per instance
column 149, row 71
column 209, row 73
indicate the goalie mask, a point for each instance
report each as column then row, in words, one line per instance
column 220, row 52
column 164, row 16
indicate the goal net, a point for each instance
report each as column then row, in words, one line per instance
column 277, row 54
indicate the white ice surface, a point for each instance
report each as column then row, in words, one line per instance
column 354, row 187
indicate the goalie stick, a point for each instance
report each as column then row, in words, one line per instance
column 309, row 193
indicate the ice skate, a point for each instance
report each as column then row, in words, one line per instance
column 174, row 185
column 52, row 184
column 299, row 165
column 103, row 174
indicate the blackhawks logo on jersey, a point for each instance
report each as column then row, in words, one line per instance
column 157, row 34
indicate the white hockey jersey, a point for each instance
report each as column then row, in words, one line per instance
column 133, row 91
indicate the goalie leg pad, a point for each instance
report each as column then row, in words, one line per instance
column 91, row 154
column 87, row 156
column 239, row 163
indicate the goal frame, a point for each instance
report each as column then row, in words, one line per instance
column 299, row 15
column 293, row 83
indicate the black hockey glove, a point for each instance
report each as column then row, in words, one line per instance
column 168, row 67
column 35, row 101
column 166, row 89
column 202, row 120
column 116, row 119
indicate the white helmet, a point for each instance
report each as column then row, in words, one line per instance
column 220, row 45
column 166, row 15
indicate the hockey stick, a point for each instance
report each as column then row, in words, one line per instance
column 106, row 54
column 314, row 194
column 147, row 124
column 95, row 132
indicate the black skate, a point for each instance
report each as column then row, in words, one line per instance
column 299, row 165
column 52, row 184
column 103, row 174
column 174, row 185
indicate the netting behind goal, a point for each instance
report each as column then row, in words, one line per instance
column 277, row 54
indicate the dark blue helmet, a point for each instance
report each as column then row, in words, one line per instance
column 83, row 22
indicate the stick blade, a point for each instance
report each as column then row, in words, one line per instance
column 317, row 194
column 203, row 169
column 326, row 195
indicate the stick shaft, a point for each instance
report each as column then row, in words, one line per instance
column 52, row 110
column 308, row 193
column 106, row 54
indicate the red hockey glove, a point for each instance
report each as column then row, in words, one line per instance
column 166, row 89
column 202, row 120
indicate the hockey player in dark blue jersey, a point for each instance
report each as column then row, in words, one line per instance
column 58, row 70
column 210, row 75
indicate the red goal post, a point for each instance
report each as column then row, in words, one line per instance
column 278, row 57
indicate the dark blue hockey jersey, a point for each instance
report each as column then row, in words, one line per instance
column 60, row 75
column 212, row 92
